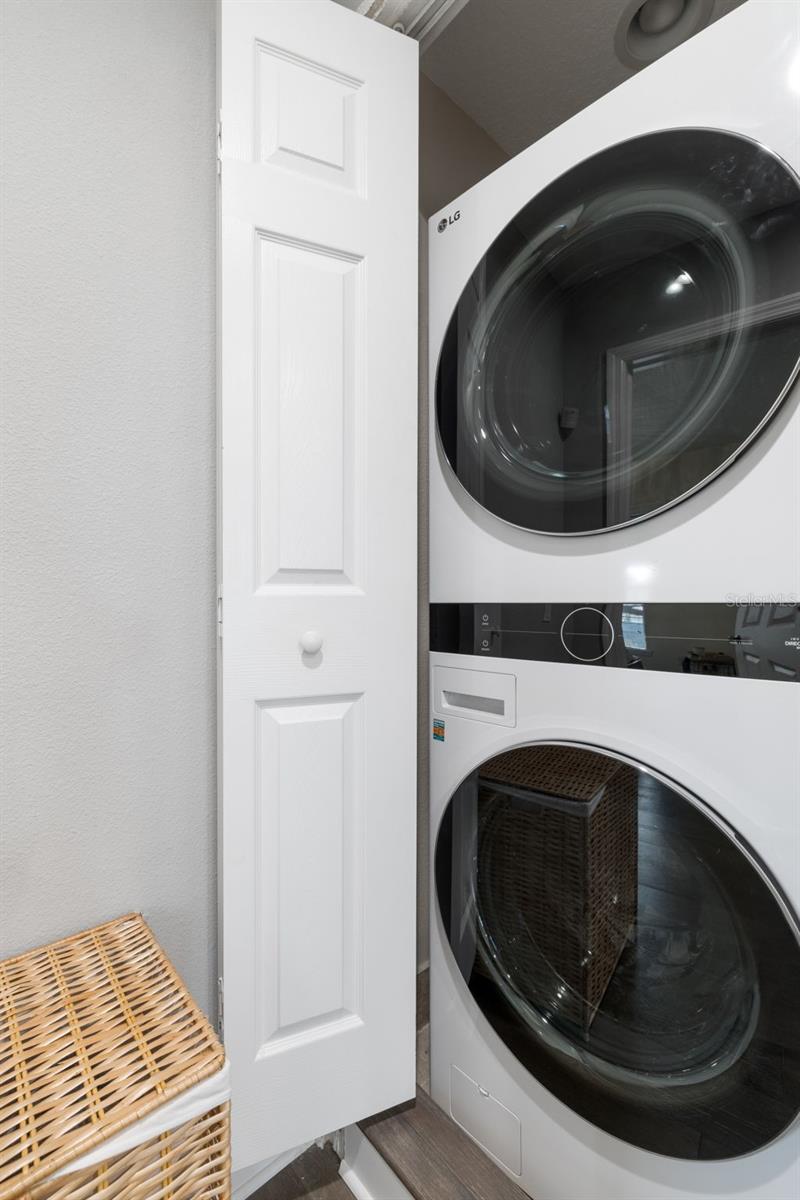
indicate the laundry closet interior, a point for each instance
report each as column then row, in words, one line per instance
column 607, row 830
column 404, row 395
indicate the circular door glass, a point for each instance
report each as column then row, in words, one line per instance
column 626, row 948
column 627, row 335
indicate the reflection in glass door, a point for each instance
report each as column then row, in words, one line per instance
column 627, row 335
column 629, row 951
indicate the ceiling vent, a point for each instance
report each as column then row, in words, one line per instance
column 648, row 30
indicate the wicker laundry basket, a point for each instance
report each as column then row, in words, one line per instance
column 558, row 873
column 99, row 1040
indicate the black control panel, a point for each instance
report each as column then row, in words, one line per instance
column 751, row 641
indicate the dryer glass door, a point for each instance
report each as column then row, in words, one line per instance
column 627, row 948
column 627, row 334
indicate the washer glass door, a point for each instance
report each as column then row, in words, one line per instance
column 626, row 947
column 627, row 334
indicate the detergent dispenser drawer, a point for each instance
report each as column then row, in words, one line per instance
column 477, row 695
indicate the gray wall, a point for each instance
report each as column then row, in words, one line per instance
column 108, row 692
column 454, row 152
column 107, row 700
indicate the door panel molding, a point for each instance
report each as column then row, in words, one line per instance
column 317, row 567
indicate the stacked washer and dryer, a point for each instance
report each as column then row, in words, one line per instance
column 615, row 637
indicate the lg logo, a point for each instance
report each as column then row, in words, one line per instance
column 451, row 220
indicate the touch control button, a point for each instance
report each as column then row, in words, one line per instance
column 587, row 634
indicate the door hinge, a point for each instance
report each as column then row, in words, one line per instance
column 219, row 616
column 219, row 144
column 221, row 1007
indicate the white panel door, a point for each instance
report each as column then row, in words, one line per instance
column 318, row 231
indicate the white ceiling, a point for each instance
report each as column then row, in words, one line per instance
column 521, row 67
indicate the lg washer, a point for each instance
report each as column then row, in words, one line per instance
column 615, row 947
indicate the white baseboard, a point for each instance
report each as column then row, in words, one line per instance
column 249, row 1179
column 368, row 1176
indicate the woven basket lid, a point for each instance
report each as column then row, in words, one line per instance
column 96, row 1031
column 554, row 770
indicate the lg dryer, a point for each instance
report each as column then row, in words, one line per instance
column 615, row 335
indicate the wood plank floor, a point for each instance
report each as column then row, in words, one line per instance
column 314, row 1176
column 433, row 1157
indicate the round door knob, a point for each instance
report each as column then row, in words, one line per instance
column 311, row 642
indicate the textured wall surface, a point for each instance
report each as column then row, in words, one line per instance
column 108, row 690
column 108, row 687
column 521, row 67
column 454, row 152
